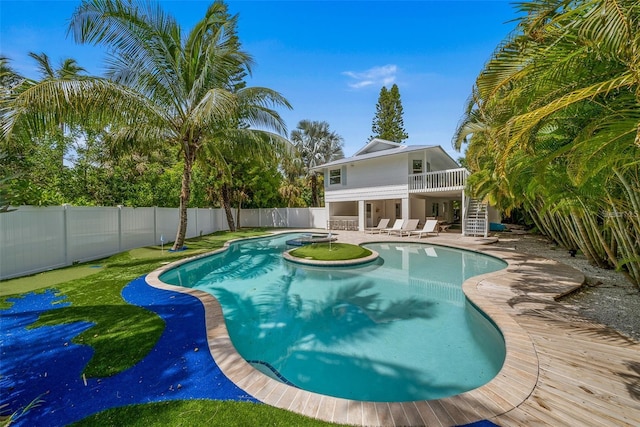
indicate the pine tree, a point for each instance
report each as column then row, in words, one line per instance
column 388, row 123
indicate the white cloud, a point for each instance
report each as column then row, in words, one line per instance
column 380, row 76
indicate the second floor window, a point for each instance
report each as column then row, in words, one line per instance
column 334, row 176
column 417, row 166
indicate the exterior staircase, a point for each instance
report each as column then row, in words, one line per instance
column 476, row 218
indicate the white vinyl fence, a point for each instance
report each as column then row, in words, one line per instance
column 35, row 239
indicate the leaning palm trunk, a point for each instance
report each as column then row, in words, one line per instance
column 626, row 233
column 624, row 222
column 599, row 235
column 185, row 195
column 594, row 235
column 550, row 225
column 584, row 239
column 565, row 235
column 225, row 200
column 541, row 222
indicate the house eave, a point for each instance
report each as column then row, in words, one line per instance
column 403, row 149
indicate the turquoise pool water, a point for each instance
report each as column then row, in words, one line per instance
column 397, row 329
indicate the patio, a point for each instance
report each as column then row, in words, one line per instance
column 560, row 369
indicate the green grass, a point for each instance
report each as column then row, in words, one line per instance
column 47, row 279
column 333, row 252
column 187, row 413
column 124, row 334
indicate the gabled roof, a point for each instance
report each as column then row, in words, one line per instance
column 377, row 144
column 377, row 148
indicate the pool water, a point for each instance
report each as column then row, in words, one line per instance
column 396, row 329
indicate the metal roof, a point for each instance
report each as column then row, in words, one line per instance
column 382, row 153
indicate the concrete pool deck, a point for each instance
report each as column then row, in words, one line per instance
column 560, row 369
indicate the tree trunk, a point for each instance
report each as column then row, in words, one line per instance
column 185, row 195
column 314, row 191
column 238, row 209
column 225, row 198
column 584, row 240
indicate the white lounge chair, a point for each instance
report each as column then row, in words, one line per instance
column 407, row 228
column 384, row 222
column 430, row 227
column 396, row 226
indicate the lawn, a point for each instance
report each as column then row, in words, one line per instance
column 123, row 334
column 330, row 252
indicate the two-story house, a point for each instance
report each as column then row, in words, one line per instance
column 385, row 179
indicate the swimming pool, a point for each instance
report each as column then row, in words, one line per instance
column 397, row 329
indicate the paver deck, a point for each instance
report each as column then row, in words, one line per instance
column 560, row 369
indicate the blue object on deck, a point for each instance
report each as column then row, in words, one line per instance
column 482, row 423
column 494, row 226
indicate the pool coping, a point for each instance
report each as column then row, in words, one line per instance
column 335, row 263
column 513, row 384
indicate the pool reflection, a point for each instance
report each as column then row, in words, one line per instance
column 397, row 329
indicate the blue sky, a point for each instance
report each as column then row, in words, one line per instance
column 328, row 58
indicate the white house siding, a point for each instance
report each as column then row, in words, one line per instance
column 378, row 172
column 378, row 186
column 368, row 193
column 418, row 208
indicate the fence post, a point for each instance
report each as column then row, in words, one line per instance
column 65, row 219
column 196, row 221
column 155, row 225
column 119, row 228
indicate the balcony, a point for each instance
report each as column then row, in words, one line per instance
column 445, row 180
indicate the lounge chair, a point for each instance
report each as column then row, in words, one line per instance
column 396, row 226
column 430, row 227
column 407, row 228
column 384, row 222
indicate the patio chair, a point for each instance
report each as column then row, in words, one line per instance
column 410, row 226
column 443, row 226
column 396, row 226
column 384, row 222
column 430, row 227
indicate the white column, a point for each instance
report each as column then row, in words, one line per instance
column 362, row 215
column 405, row 208
column 486, row 221
column 327, row 206
column 463, row 215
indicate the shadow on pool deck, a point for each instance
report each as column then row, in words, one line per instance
column 560, row 369
column 581, row 373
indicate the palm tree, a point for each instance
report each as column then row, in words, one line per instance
column 553, row 125
column 291, row 188
column 68, row 70
column 236, row 151
column 163, row 86
column 8, row 76
column 316, row 145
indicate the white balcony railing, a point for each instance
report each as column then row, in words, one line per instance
column 450, row 179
